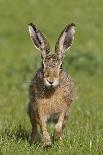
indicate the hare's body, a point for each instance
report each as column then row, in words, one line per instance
column 51, row 89
column 52, row 101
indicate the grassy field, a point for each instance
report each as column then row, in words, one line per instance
column 19, row 60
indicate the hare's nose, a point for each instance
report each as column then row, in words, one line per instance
column 51, row 82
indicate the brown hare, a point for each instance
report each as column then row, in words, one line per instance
column 51, row 89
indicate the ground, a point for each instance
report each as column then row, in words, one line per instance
column 19, row 61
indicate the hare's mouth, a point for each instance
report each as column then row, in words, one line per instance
column 49, row 83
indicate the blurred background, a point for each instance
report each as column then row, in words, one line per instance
column 19, row 60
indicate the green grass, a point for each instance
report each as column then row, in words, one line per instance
column 18, row 62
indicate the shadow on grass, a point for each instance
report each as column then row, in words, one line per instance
column 17, row 133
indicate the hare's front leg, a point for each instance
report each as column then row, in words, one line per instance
column 59, row 127
column 45, row 134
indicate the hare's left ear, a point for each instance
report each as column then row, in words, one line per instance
column 65, row 40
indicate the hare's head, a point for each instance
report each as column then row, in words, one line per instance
column 52, row 62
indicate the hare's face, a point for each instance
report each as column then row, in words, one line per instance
column 52, row 63
column 51, row 70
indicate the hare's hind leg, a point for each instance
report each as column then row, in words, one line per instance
column 59, row 127
column 34, row 137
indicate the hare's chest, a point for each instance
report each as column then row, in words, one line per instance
column 54, row 104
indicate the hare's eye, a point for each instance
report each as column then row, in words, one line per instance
column 61, row 66
column 42, row 65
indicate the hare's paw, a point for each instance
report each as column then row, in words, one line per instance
column 58, row 133
column 46, row 140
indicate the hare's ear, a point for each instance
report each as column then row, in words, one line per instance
column 65, row 40
column 39, row 40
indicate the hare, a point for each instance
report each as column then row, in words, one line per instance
column 51, row 89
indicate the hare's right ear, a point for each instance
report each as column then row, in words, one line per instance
column 39, row 40
column 65, row 40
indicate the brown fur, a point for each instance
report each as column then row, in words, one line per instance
column 51, row 102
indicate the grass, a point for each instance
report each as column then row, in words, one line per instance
column 19, row 61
